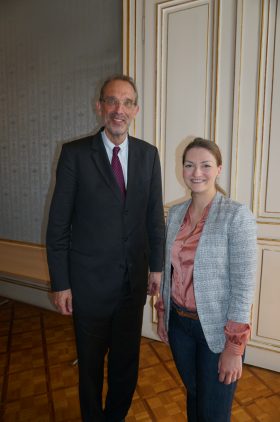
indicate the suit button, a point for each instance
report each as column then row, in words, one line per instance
column 125, row 239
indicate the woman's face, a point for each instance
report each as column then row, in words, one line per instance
column 200, row 170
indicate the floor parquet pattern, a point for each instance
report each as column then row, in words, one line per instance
column 39, row 383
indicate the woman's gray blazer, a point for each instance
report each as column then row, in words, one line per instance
column 224, row 266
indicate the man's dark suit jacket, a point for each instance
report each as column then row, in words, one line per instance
column 94, row 237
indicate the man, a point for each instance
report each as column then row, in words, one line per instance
column 106, row 229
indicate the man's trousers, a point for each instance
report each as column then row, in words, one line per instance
column 119, row 335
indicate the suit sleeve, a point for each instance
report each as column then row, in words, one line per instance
column 59, row 224
column 242, row 264
column 155, row 218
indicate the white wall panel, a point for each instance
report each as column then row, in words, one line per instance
column 184, row 83
column 248, row 35
column 272, row 197
column 185, row 101
column 267, row 174
column 265, row 338
column 269, row 294
column 225, row 86
column 212, row 69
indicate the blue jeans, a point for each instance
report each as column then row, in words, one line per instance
column 208, row 400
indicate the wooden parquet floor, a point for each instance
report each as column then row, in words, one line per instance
column 38, row 382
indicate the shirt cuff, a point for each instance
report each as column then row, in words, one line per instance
column 237, row 335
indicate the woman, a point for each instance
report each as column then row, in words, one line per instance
column 207, row 286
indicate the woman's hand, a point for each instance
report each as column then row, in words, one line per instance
column 229, row 367
column 161, row 330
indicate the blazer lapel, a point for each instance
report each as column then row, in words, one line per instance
column 182, row 212
column 177, row 220
column 101, row 161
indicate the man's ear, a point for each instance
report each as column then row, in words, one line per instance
column 98, row 108
column 135, row 111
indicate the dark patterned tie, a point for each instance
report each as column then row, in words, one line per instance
column 117, row 170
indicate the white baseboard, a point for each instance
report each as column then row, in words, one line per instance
column 262, row 357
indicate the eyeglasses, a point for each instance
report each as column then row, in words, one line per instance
column 113, row 102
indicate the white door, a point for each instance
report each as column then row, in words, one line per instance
column 211, row 68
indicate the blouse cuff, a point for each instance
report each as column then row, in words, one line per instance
column 237, row 336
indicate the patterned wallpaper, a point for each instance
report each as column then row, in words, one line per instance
column 53, row 56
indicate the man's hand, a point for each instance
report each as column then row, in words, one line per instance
column 229, row 367
column 154, row 283
column 63, row 301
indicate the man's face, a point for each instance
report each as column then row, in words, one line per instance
column 117, row 109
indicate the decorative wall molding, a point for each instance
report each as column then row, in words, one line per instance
column 246, row 97
column 185, row 73
column 151, row 27
column 266, row 194
column 265, row 332
column 239, row 108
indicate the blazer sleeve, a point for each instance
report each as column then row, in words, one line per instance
column 155, row 218
column 242, row 243
column 59, row 224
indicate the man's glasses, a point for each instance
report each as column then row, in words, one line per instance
column 113, row 102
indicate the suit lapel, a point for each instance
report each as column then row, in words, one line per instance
column 101, row 161
column 131, row 166
column 134, row 169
